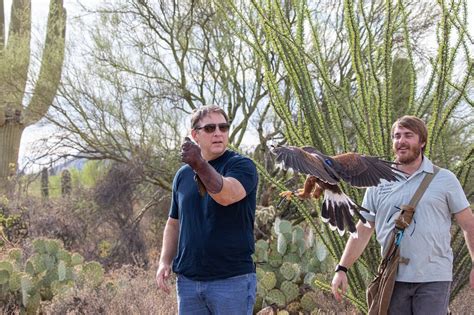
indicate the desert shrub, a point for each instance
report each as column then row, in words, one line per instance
column 115, row 196
column 68, row 220
column 13, row 222
column 127, row 290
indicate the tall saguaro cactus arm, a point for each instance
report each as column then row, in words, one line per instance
column 14, row 64
column 2, row 26
column 15, row 55
column 51, row 64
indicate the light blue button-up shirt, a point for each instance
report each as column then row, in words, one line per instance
column 426, row 242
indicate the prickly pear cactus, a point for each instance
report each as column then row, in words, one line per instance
column 49, row 271
column 288, row 263
column 309, row 301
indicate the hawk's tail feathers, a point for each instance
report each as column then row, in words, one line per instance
column 338, row 211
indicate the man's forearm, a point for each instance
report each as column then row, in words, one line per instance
column 469, row 238
column 465, row 219
column 170, row 242
column 355, row 246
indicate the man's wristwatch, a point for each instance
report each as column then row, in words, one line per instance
column 340, row 268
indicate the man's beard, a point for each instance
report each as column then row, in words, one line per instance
column 414, row 152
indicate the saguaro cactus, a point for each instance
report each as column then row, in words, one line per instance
column 45, row 183
column 14, row 64
column 66, row 185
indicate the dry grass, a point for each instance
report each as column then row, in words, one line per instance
column 128, row 290
column 463, row 303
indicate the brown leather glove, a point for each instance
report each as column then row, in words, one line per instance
column 206, row 174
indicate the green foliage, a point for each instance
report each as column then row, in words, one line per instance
column 49, row 271
column 92, row 172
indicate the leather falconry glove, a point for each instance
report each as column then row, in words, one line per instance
column 207, row 178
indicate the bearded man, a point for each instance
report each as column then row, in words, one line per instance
column 424, row 278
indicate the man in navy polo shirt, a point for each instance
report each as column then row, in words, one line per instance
column 208, row 239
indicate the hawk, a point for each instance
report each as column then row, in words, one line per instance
column 326, row 172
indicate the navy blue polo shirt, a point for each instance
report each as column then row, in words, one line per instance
column 215, row 241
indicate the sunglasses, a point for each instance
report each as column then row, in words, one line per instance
column 210, row 128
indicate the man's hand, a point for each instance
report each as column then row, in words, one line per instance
column 208, row 176
column 339, row 285
column 162, row 276
column 191, row 154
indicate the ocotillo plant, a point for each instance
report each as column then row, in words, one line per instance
column 14, row 66
column 340, row 68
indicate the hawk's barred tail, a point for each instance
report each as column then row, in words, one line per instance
column 338, row 211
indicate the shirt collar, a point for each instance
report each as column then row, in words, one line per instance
column 426, row 166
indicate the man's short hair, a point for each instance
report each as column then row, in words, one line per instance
column 203, row 111
column 414, row 124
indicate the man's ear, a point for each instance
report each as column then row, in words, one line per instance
column 194, row 135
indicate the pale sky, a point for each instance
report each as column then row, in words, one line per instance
column 39, row 14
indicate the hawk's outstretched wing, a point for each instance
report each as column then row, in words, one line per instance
column 362, row 170
column 304, row 162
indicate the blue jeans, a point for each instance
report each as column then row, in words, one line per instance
column 235, row 295
column 426, row 298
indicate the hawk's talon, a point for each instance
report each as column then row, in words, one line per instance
column 302, row 195
column 286, row 194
